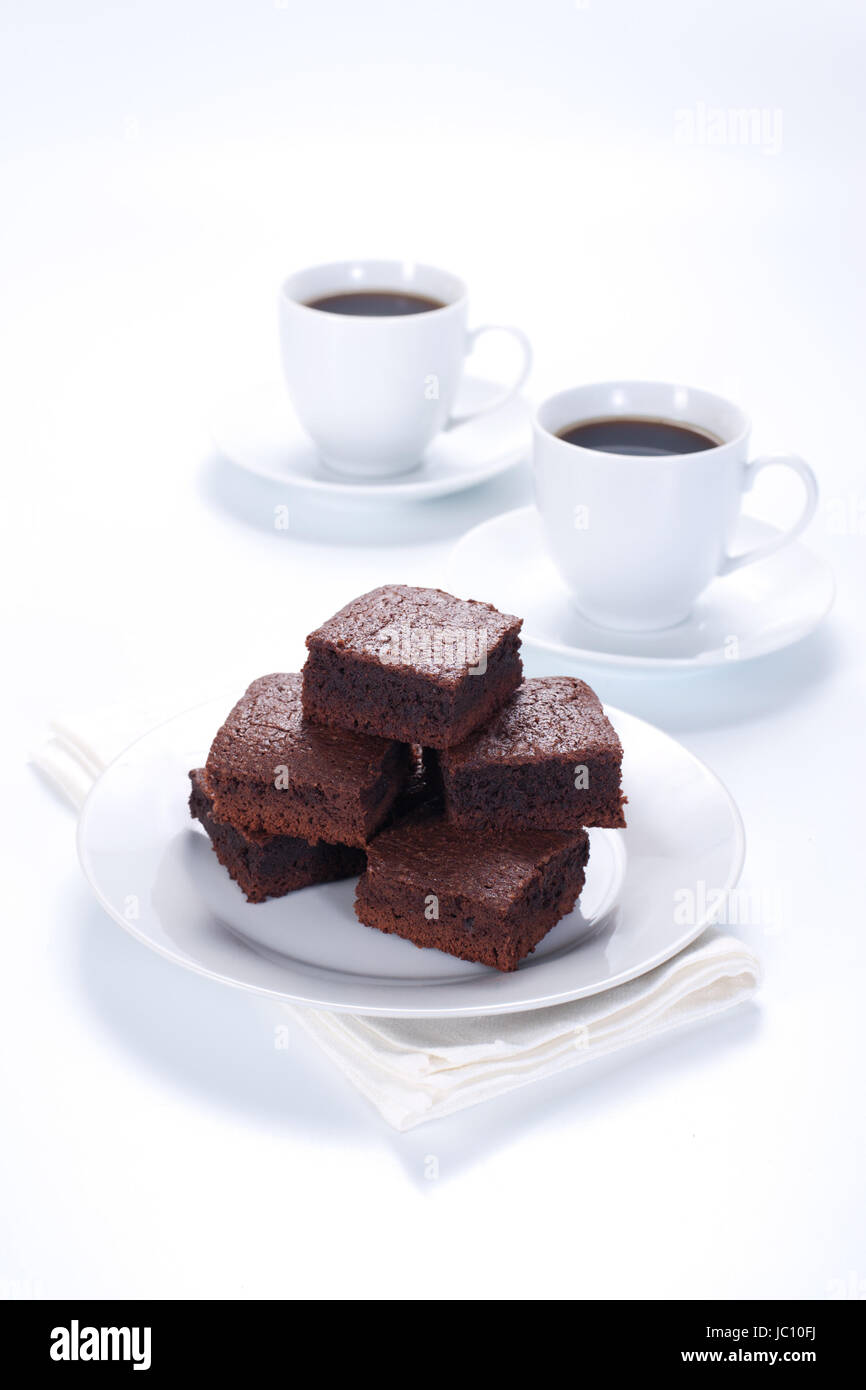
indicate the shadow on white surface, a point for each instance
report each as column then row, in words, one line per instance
column 712, row 697
column 218, row 1045
column 201, row 1036
column 253, row 502
column 572, row 1099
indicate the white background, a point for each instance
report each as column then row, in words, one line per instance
column 163, row 165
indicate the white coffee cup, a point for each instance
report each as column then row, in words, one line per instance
column 637, row 538
column 372, row 392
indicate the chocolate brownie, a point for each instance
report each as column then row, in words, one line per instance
column 412, row 664
column 272, row 865
column 483, row 898
column 549, row 760
column 272, row 772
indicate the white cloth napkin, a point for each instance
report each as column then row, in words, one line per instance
column 420, row 1069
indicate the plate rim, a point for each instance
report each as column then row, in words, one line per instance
column 714, row 657
column 527, row 1005
column 386, row 489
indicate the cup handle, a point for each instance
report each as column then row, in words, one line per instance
column 506, row 393
column 803, row 471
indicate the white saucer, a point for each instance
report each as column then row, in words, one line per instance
column 257, row 429
column 755, row 610
column 154, row 872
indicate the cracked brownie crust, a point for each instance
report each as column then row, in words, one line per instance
column 273, row 865
column 412, row 664
column 483, row 898
column 273, row 772
column 550, row 759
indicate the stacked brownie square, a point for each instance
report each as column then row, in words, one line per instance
column 412, row 752
column 288, row 803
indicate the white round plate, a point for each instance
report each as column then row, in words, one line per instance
column 154, row 872
column 257, row 429
column 761, row 607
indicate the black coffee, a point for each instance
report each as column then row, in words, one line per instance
column 377, row 304
column 633, row 435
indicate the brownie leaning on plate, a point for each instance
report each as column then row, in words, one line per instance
column 481, row 897
column 272, row 865
column 412, row 664
column 272, row 772
column 550, row 759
